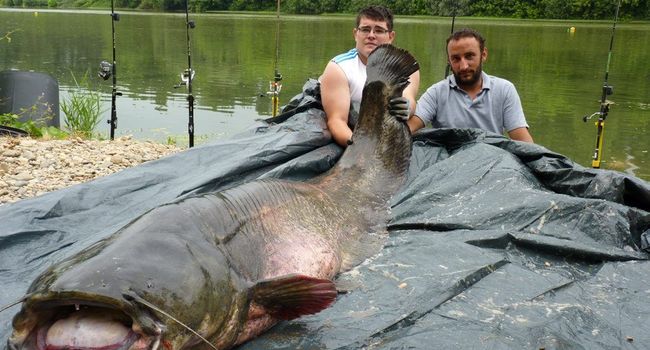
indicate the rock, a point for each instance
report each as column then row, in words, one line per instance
column 28, row 155
column 31, row 167
column 23, row 176
column 18, row 184
column 117, row 159
column 11, row 153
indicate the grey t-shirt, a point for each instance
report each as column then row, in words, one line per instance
column 497, row 107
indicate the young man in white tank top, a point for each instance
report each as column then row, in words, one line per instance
column 345, row 75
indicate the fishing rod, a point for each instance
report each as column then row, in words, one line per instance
column 275, row 85
column 188, row 75
column 453, row 21
column 106, row 70
column 604, row 102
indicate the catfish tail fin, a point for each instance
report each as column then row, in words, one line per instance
column 391, row 65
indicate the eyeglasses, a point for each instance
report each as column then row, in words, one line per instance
column 377, row 30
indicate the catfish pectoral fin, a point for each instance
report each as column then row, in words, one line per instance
column 291, row 296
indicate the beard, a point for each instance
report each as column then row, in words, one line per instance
column 471, row 80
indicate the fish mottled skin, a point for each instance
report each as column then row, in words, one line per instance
column 212, row 271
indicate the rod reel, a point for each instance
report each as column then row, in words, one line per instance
column 105, row 70
column 604, row 105
column 186, row 77
column 275, row 85
column 600, row 124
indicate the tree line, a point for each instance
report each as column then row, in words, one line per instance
column 528, row 9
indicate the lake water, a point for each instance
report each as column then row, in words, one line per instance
column 558, row 74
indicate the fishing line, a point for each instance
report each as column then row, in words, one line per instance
column 604, row 102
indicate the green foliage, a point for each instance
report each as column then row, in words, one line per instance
column 248, row 5
column 10, row 119
column 534, row 9
column 449, row 7
column 411, row 7
column 353, row 6
column 82, row 109
column 303, row 7
column 329, row 6
column 36, row 129
column 207, row 5
column 34, row 3
column 559, row 9
column 119, row 3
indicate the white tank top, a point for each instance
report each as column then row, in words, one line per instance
column 355, row 71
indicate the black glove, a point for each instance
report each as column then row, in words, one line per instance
column 398, row 107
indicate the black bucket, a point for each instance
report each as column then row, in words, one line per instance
column 31, row 95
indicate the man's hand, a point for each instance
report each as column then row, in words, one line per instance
column 399, row 107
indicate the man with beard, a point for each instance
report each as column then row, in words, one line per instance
column 470, row 98
column 344, row 76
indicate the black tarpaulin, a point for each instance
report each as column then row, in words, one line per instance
column 494, row 244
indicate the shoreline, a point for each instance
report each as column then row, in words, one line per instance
column 32, row 167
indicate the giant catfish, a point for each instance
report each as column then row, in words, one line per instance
column 212, row 271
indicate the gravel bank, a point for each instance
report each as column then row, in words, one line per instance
column 30, row 167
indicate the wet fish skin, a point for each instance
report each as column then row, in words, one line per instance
column 231, row 264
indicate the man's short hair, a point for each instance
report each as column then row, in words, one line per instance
column 467, row 33
column 376, row 13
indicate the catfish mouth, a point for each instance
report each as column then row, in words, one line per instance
column 79, row 326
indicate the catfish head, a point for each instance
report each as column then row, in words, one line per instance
column 166, row 293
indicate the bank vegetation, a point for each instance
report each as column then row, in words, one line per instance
column 530, row 9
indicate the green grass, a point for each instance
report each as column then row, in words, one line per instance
column 82, row 109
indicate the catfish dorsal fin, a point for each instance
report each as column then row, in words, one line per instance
column 391, row 65
column 291, row 296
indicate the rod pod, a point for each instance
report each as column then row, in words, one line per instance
column 604, row 102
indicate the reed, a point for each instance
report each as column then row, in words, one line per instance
column 82, row 109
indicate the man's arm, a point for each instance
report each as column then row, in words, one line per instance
column 398, row 106
column 411, row 91
column 335, row 96
column 415, row 123
column 513, row 115
column 520, row 134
